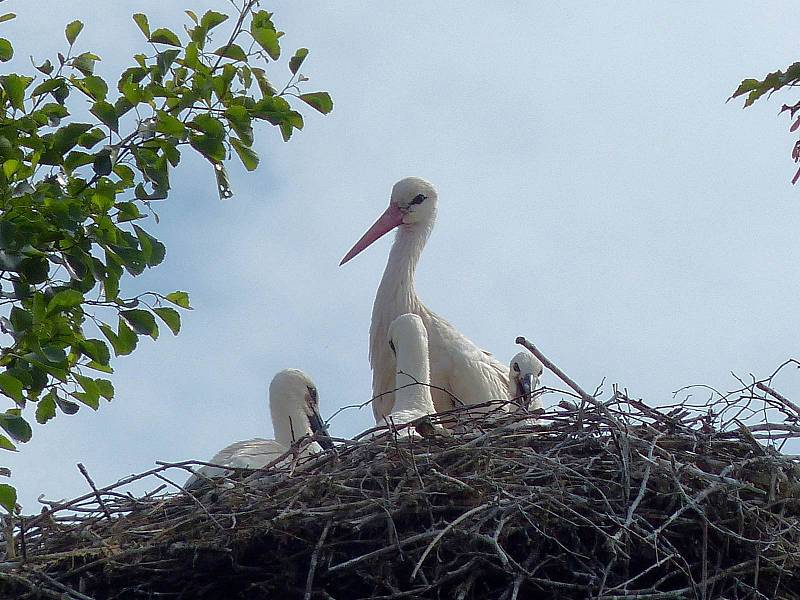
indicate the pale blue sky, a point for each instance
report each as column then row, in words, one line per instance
column 597, row 195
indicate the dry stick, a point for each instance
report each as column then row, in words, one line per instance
column 55, row 507
column 102, row 504
column 441, row 534
column 778, row 396
column 409, row 540
column 566, row 379
column 68, row 591
column 196, row 501
column 314, row 558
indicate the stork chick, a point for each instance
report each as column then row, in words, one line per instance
column 294, row 407
column 408, row 342
column 526, row 370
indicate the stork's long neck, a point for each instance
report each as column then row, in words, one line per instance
column 397, row 285
column 289, row 422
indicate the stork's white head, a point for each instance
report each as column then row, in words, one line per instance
column 294, row 405
column 416, row 199
column 525, row 372
column 413, row 204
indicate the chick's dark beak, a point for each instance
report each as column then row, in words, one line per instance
column 528, row 383
column 318, row 427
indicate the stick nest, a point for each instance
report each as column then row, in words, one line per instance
column 599, row 499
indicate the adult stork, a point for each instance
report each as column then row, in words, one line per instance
column 294, row 406
column 457, row 365
column 408, row 342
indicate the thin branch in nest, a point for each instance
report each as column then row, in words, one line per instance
column 85, row 474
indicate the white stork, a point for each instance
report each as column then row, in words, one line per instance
column 408, row 342
column 525, row 372
column 470, row 374
column 294, row 406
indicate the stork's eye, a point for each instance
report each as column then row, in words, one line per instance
column 391, row 345
column 312, row 391
column 516, row 367
column 419, row 199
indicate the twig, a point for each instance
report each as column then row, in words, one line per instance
column 442, row 533
column 314, row 558
column 97, row 495
column 568, row 380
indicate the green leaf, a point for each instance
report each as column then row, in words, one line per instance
column 65, row 138
column 240, row 121
column 67, row 406
column 209, row 146
column 10, row 167
column 7, row 17
column 223, row 182
column 246, row 154
column 106, row 113
column 17, row 427
column 297, row 60
column 6, row 50
column 320, row 101
column 232, row 51
column 77, row 159
column 128, row 211
column 165, row 60
column 208, row 125
column 106, row 388
column 179, row 299
column 46, row 67
column 15, row 86
column 91, row 392
column 72, row 31
column 96, row 350
column 46, row 408
column 171, row 317
column 8, row 497
column 264, row 33
column 124, row 343
column 165, row 36
column 64, row 300
column 48, row 85
column 111, row 278
column 211, row 19
column 142, row 321
column 166, row 123
column 98, row 367
column 6, row 444
column 102, row 164
column 141, row 21
column 153, row 250
column 127, row 337
column 35, row 269
column 11, row 387
column 54, row 355
column 747, row 85
column 91, row 138
column 85, row 63
column 92, row 85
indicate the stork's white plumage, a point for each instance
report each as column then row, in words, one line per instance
column 408, row 342
column 457, row 365
column 294, row 406
column 525, row 372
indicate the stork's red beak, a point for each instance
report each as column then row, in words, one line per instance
column 391, row 218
